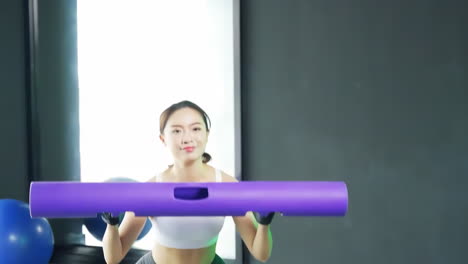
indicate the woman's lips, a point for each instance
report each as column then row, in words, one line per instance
column 189, row 149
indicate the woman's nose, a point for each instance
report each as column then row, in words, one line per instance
column 186, row 138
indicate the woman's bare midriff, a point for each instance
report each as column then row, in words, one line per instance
column 165, row 255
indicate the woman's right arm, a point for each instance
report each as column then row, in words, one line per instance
column 112, row 245
column 117, row 241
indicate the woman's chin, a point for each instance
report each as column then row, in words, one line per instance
column 191, row 158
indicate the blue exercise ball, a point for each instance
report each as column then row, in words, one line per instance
column 23, row 239
column 97, row 227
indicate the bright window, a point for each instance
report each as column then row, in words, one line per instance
column 135, row 58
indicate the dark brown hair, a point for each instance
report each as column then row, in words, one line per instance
column 183, row 104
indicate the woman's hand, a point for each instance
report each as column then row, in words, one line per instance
column 264, row 219
column 109, row 219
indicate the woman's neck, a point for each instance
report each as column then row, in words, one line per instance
column 192, row 171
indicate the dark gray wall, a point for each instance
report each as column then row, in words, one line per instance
column 13, row 134
column 373, row 94
column 56, row 104
column 56, row 86
column 39, row 132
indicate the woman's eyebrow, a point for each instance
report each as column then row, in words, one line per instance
column 176, row 125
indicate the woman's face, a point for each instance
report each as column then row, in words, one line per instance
column 185, row 135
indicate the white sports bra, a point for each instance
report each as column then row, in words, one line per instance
column 188, row 232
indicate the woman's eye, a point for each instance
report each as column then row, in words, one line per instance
column 197, row 129
column 176, row 131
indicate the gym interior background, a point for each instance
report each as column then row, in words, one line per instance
column 373, row 94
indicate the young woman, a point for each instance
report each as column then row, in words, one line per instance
column 184, row 129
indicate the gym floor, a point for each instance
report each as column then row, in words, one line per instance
column 86, row 254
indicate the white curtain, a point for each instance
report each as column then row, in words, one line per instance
column 135, row 58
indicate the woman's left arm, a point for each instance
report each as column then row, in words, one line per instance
column 256, row 237
column 262, row 243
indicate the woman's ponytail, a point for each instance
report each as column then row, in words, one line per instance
column 206, row 157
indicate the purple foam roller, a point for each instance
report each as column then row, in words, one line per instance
column 290, row 198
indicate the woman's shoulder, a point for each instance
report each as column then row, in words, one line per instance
column 152, row 179
column 227, row 178
column 156, row 177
